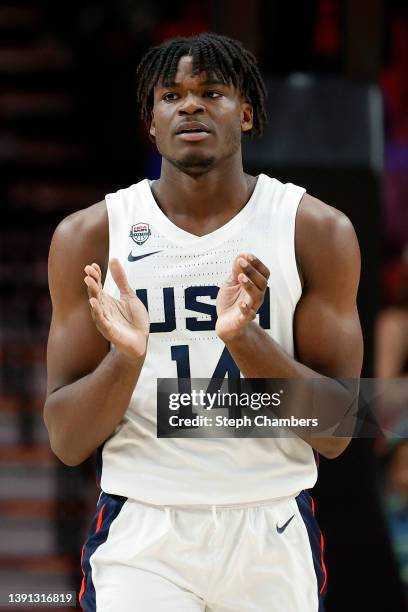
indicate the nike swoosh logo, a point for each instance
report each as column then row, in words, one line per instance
column 136, row 257
column 282, row 529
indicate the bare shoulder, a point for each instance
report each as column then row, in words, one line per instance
column 317, row 219
column 84, row 230
column 81, row 238
column 326, row 241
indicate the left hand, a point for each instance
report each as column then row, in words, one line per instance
column 241, row 296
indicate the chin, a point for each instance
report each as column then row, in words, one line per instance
column 193, row 162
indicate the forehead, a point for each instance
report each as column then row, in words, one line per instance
column 184, row 74
column 185, row 69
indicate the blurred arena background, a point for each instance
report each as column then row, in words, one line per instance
column 337, row 74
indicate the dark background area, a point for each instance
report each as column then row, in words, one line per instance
column 337, row 74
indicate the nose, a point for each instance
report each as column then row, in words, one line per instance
column 190, row 105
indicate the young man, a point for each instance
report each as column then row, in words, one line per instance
column 198, row 524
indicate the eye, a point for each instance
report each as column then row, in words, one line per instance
column 213, row 94
column 169, row 97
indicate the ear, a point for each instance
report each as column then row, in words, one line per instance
column 247, row 114
column 152, row 129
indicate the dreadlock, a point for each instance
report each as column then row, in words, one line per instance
column 219, row 56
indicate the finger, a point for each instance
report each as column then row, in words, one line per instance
column 102, row 323
column 233, row 278
column 253, row 274
column 119, row 276
column 97, row 268
column 252, row 292
column 94, row 273
column 93, row 270
column 257, row 264
column 93, row 288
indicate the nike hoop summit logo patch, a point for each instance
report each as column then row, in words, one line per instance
column 282, row 529
column 136, row 257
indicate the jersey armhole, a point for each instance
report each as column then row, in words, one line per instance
column 109, row 285
column 297, row 262
column 288, row 244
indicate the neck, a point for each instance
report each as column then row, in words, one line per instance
column 219, row 192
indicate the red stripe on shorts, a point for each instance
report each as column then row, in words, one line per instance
column 97, row 528
column 100, row 518
column 323, row 564
column 321, row 551
column 82, row 591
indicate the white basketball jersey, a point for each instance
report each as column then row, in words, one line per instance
column 177, row 275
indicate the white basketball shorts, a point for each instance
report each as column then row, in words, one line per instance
column 259, row 557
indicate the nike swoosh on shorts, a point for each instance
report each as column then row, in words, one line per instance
column 282, row 529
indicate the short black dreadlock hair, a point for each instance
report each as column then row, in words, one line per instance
column 218, row 56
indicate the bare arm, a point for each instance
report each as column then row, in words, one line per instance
column 89, row 386
column 327, row 330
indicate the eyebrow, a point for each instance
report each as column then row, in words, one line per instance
column 207, row 82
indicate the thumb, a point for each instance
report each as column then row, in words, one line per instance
column 119, row 276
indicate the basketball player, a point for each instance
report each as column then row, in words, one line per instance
column 175, row 272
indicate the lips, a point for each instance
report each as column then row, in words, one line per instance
column 193, row 136
column 192, row 127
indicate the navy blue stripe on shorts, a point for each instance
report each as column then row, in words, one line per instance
column 107, row 510
column 306, row 508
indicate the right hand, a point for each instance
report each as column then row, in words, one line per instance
column 123, row 322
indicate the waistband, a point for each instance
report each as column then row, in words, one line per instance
column 192, row 507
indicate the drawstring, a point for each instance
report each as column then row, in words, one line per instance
column 167, row 511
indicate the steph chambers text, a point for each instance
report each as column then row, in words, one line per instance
column 259, row 420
